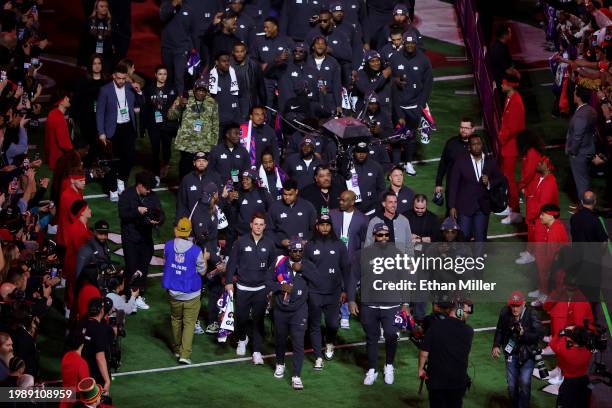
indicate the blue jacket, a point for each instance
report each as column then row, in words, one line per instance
column 106, row 108
column 180, row 269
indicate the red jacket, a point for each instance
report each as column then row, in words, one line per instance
column 74, row 369
column 512, row 122
column 57, row 137
column 548, row 241
column 78, row 234
column 564, row 313
column 529, row 175
column 64, row 218
column 546, row 192
column 573, row 361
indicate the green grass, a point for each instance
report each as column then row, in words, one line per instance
column 145, row 346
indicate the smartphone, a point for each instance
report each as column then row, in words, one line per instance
column 35, row 62
column 3, row 75
column 53, row 272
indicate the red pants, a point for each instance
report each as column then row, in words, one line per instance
column 509, row 170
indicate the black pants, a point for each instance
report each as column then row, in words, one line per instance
column 124, row 149
column 574, row 393
column 251, row 304
column 137, row 258
column 214, row 288
column 185, row 164
column 291, row 324
column 175, row 60
column 446, row 398
column 412, row 118
column 329, row 306
column 371, row 320
column 160, row 137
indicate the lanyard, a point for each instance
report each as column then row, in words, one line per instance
column 476, row 169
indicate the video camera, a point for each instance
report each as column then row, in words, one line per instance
column 40, row 262
column 591, row 336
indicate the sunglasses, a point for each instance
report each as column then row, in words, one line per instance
column 382, row 235
column 296, row 250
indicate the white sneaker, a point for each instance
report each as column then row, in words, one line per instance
column 157, row 181
column 318, row 365
column 389, row 375
column 555, row 372
column 525, row 259
column 185, row 361
column 546, row 339
column 51, row 229
column 512, row 218
column 410, row 169
column 534, row 294
column 345, row 324
column 329, row 351
column 241, row 348
column 113, row 196
column 555, row 380
column 198, row 328
column 257, row 358
column 382, row 335
column 548, row 351
column 370, row 377
column 141, row 304
column 539, row 302
column 120, row 186
column 296, row 383
column 504, row 213
column 280, row 371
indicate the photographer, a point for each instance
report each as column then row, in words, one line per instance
column 140, row 212
column 98, row 341
column 518, row 332
column 115, row 286
column 573, row 358
column 446, row 348
column 96, row 250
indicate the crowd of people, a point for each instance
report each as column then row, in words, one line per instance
column 266, row 218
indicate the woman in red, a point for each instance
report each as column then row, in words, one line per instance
column 74, row 367
column 549, row 241
column 76, row 235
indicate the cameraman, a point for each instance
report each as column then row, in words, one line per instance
column 140, row 211
column 98, row 341
column 446, row 347
column 96, row 250
column 573, row 358
column 518, row 332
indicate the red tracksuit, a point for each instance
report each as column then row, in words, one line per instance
column 545, row 192
column 57, row 137
column 548, row 243
column 565, row 313
column 76, row 235
column 68, row 197
column 512, row 122
column 529, row 176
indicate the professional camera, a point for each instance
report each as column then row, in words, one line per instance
column 44, row 260
column 591, row 336
column 106, row 272
column 539, row 363
column 153, row 215
column 515, row 330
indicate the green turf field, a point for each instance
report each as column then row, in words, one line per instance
column 216, row 379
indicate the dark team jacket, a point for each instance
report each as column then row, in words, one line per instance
column 299, row 295
column 332, row 265
column 133, row 227
column 291, row 221
column 223, row 160
column 416, row 71
column 248, row 203
column 295, row 167
column 250, row 261
column 371, row 184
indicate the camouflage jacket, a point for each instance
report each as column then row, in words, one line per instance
column 188, row 139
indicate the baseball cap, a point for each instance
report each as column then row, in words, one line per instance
column 371, row 54
column 400, row 9
column 102, row 226
column 410, row 36
column 250, row 173
column 299, row 46
column 307, row 140
column 183, row 227
column 200, row 155
column 362, row 147
column 94, row 306
column 373, row 98
column 449, row 223
column 336, row 5
column 295, row 243
column 380, row 227
column 324, row 219
column 200, row 84
column 516, row 298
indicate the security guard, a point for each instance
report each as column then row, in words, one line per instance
column 413, row 83
column 287, row 282
column 265, row 137
column 291, row 217
column 329, row 77
column 192, row 185
column 301, row 166
column 229, row 158
column 375, row 315
column 326, row 290
column 367, row 180
column 251, row 257
column 246, row 201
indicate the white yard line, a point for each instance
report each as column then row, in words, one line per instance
column 243, row 359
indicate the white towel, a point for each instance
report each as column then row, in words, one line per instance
column 213, row 81
column 264, row 180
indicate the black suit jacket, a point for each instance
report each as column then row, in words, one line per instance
column 467, row 194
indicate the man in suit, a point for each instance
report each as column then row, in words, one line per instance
column 350, row 225
column 471, row 178
column 580, row 139
column 116, row 122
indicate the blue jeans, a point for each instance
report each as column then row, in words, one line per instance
column 519, row 381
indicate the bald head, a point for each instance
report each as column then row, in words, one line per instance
column 347, row 200
column 589, row 199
